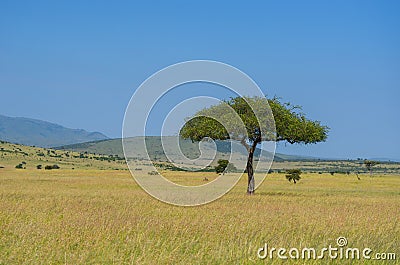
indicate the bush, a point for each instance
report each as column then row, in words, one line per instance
column 293, row 174
column 39, row 166
column 48, row 167
column 224, row 166
column 19, row 166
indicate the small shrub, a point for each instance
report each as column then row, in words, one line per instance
column 19, row 166
column 48, row 167
column 293, row 174
column 224, row 166
column 39, row 166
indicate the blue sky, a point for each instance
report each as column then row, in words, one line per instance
column 77, row 63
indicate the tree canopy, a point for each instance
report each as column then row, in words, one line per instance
column 290, row 124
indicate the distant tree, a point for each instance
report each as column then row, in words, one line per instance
column 291, row 126
column 369, row 164
column 39, row 166
column 19, row 166
column 293, row 174
column 224, row 166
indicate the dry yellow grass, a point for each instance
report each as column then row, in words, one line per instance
column 103, row 217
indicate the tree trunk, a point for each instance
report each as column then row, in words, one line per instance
column 250, row 173
column 251, row 186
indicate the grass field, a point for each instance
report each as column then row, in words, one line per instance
column 30, row 157
column 87, row 216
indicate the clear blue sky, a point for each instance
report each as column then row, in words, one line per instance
column 77, row 63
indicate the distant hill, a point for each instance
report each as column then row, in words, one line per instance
column 34, row 132
column 114, row 147
column 30, row 157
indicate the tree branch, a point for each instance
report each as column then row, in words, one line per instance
column 243, row 142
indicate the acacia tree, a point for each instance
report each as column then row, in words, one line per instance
column 293, row 174
column 290, row 125
column 369, row 164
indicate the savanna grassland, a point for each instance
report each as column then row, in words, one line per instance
column 99, row 215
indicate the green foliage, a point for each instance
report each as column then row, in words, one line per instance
column 291, row 125
column 48, row 167
column 293, row 174
column 19, row 166
column 167, row 166
column 39, row 166
column 224, row 165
